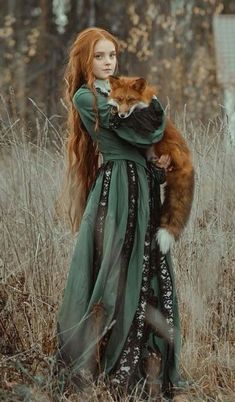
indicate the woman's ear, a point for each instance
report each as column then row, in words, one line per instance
column 139, row 85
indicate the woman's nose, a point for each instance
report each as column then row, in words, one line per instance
column 107, row 60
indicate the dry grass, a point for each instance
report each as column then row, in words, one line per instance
column 36, row 250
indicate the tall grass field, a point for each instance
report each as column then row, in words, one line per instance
column 36, row 247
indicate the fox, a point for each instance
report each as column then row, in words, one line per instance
column 128, row 94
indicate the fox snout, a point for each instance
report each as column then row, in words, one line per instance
column 124, row 110
column 123, row 115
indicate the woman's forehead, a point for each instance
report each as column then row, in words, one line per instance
column 104, row 45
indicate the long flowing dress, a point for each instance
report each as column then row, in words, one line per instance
column 117, row 270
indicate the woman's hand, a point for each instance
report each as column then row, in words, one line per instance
column 164, row 162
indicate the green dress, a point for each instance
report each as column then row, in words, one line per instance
column 117, row 268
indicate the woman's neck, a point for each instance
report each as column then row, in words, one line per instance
column 102, row 84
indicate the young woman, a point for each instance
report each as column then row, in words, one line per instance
column 119, row 313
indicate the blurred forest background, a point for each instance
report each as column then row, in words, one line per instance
column 169, row 42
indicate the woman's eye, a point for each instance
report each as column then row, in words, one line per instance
column 100, row 56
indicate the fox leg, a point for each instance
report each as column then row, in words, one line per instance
column 153, row 362
column 181, row 398
column 152, row 369
column 96, row 326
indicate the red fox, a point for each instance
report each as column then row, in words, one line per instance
column 128, row 93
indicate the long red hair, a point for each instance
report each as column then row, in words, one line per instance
column 82, row 152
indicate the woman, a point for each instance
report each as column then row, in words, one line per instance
column 119, row 313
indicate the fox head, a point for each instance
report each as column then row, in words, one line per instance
column 127, row 94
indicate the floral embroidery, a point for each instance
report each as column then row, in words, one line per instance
column 153, row 264
column 100, row 219
column 130, row 355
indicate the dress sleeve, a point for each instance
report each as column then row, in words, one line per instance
column 84, row 101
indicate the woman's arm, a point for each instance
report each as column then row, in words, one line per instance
column 84, row 102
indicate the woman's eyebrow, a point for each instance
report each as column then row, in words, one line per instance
column 100, row 52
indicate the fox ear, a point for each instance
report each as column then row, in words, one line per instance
column 139, row 85
column 113, row 81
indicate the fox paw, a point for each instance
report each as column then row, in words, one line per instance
column 165, row 240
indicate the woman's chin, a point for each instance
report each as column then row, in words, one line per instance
column 104, row 76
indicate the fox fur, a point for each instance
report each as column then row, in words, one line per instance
column 128, row 93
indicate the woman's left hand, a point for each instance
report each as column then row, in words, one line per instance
column 165, row 162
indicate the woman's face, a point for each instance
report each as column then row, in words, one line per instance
column 104, row 61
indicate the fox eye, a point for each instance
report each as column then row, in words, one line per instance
column 119, row 98
column 131, row 98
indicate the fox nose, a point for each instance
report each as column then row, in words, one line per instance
column 122, row 115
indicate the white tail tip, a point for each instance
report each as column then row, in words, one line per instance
column 165, row 240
